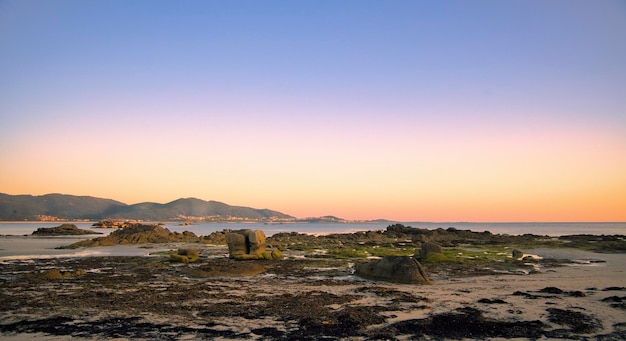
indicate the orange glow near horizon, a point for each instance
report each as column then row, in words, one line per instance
column 488, row 180
column 318, row 112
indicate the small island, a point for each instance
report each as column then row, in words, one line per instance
column 62, row 230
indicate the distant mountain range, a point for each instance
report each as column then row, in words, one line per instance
column 70, row 207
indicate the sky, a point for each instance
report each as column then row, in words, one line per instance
column 406, row 110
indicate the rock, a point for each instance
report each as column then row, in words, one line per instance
column 551, row 290
column 577, row 293
column 111, row 224
column 185, row 256
column 530, row 259
column 225, row 268
column 517, row 254
column 428, row 249
column 277, row 254
column 62, row 230
column 53, row 274
column 215, row 238
column 394, row 269
column 237, row 245
column 491, row 301
column 256, row 242
column 246, row 244
column 137, row 234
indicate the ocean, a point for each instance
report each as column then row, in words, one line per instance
column 16, row 242
column 549, row 229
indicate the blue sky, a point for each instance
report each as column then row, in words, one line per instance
column 338, row 95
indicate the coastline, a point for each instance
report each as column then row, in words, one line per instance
column 572, row 294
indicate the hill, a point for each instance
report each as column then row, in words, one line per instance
column 29, row 207
column 192, row 209
column 69, row 207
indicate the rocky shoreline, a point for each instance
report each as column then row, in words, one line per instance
column 314, row 294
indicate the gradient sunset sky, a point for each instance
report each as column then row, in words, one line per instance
column 405, row 110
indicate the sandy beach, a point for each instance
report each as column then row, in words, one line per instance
column 130, row 298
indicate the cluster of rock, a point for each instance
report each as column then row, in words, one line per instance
column 138, row 234
column 250, row 244
column 62, row 230
column 112, row 224
column 400, row 236
column 57, row 274
column 215, row 238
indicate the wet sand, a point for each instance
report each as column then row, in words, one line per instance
column 31, row 247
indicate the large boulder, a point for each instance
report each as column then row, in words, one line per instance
column 256, row 242
column 394, row 269
column 237, row 244
column 249, row 244
column 428, row 249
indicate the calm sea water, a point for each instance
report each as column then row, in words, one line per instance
column 16, row 242
column 549, row 229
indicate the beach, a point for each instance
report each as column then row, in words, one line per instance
column 566, row 294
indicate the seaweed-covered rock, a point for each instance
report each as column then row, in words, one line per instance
column 226, row 268
column 62, row 230
column 185, row 256
column 276, row 254
column 394, row 269
column 578, row 322
column 428, row 249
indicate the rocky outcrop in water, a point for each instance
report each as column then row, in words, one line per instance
column 394, row 269
column 62, row 230
column 138, row 234
column 400, row 235
column 106, row 224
